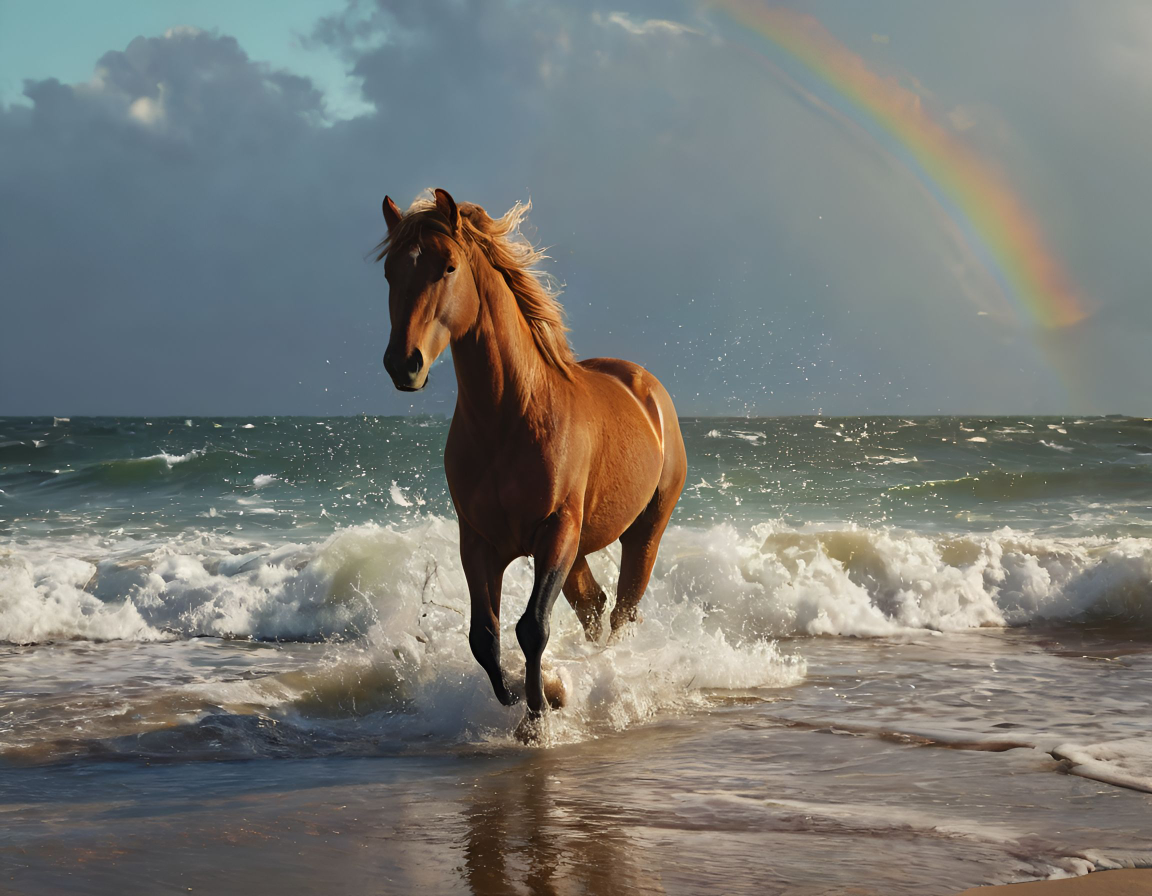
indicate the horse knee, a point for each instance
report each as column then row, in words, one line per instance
column 532, row 634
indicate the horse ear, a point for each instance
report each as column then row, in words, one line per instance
column 446, row 205
column 391, row 213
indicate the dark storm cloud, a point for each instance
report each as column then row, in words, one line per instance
column 187, row 232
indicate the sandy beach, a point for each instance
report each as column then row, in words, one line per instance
column 1122, row 882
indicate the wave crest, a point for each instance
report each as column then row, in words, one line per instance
column 765, row 582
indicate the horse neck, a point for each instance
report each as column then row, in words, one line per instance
column 499, row 369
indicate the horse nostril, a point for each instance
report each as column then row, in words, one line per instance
column 415, row 362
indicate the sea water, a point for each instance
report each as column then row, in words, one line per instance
column 878, row 644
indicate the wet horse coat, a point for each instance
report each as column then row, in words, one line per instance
column 546, row 457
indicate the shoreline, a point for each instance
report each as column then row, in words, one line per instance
column 1118, row 882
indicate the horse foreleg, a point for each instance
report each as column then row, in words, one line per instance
column 554, row 554
column 485, row 573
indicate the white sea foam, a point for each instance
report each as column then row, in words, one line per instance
column 400, row 498
column 396, row 605
column 172, row 459
column 1126, row 762
column 43, row 598
column 264, row 479
column 883, row 460
column 393, row 605
column 754, row 438
column 763, row 582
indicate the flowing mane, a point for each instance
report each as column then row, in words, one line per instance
column 513, row 256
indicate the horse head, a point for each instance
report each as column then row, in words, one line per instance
column 432, row 297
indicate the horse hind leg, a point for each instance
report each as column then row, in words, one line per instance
column 638, row 547
column 641, row 540
column 587, row 598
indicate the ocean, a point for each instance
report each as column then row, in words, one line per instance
column 905, row 655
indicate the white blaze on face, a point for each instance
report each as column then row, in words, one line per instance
column 414, row 253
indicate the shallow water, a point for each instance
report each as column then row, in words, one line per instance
column 877, row 653
column 902, row 766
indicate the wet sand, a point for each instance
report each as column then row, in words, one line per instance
column 736, row 806
column 1125, row 882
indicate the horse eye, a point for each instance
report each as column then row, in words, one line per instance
column 450, row 269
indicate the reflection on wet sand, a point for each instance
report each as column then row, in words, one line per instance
column 525, row 833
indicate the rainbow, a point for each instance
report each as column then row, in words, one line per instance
column 988, row 215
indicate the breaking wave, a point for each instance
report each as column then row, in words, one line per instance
column 390, row 607
column 765, row 582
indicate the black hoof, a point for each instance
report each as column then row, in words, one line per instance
column 508, row 698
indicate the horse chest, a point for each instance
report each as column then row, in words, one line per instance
column 502, row 495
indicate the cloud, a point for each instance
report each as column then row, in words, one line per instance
column 183, row 31
column 146, row 110
column 167, row 236
column 187, row 232
column 645, row 28
column 962, row 118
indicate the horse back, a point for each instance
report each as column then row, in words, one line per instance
column 645, row 388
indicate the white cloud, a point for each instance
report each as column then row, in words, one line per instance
column 148, row 111
column 183, row 31
column 646, row 27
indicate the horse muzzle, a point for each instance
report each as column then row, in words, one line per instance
column 408, row 374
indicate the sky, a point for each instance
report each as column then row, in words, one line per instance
column 810, row 207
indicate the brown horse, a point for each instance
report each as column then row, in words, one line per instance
column 546, row 457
